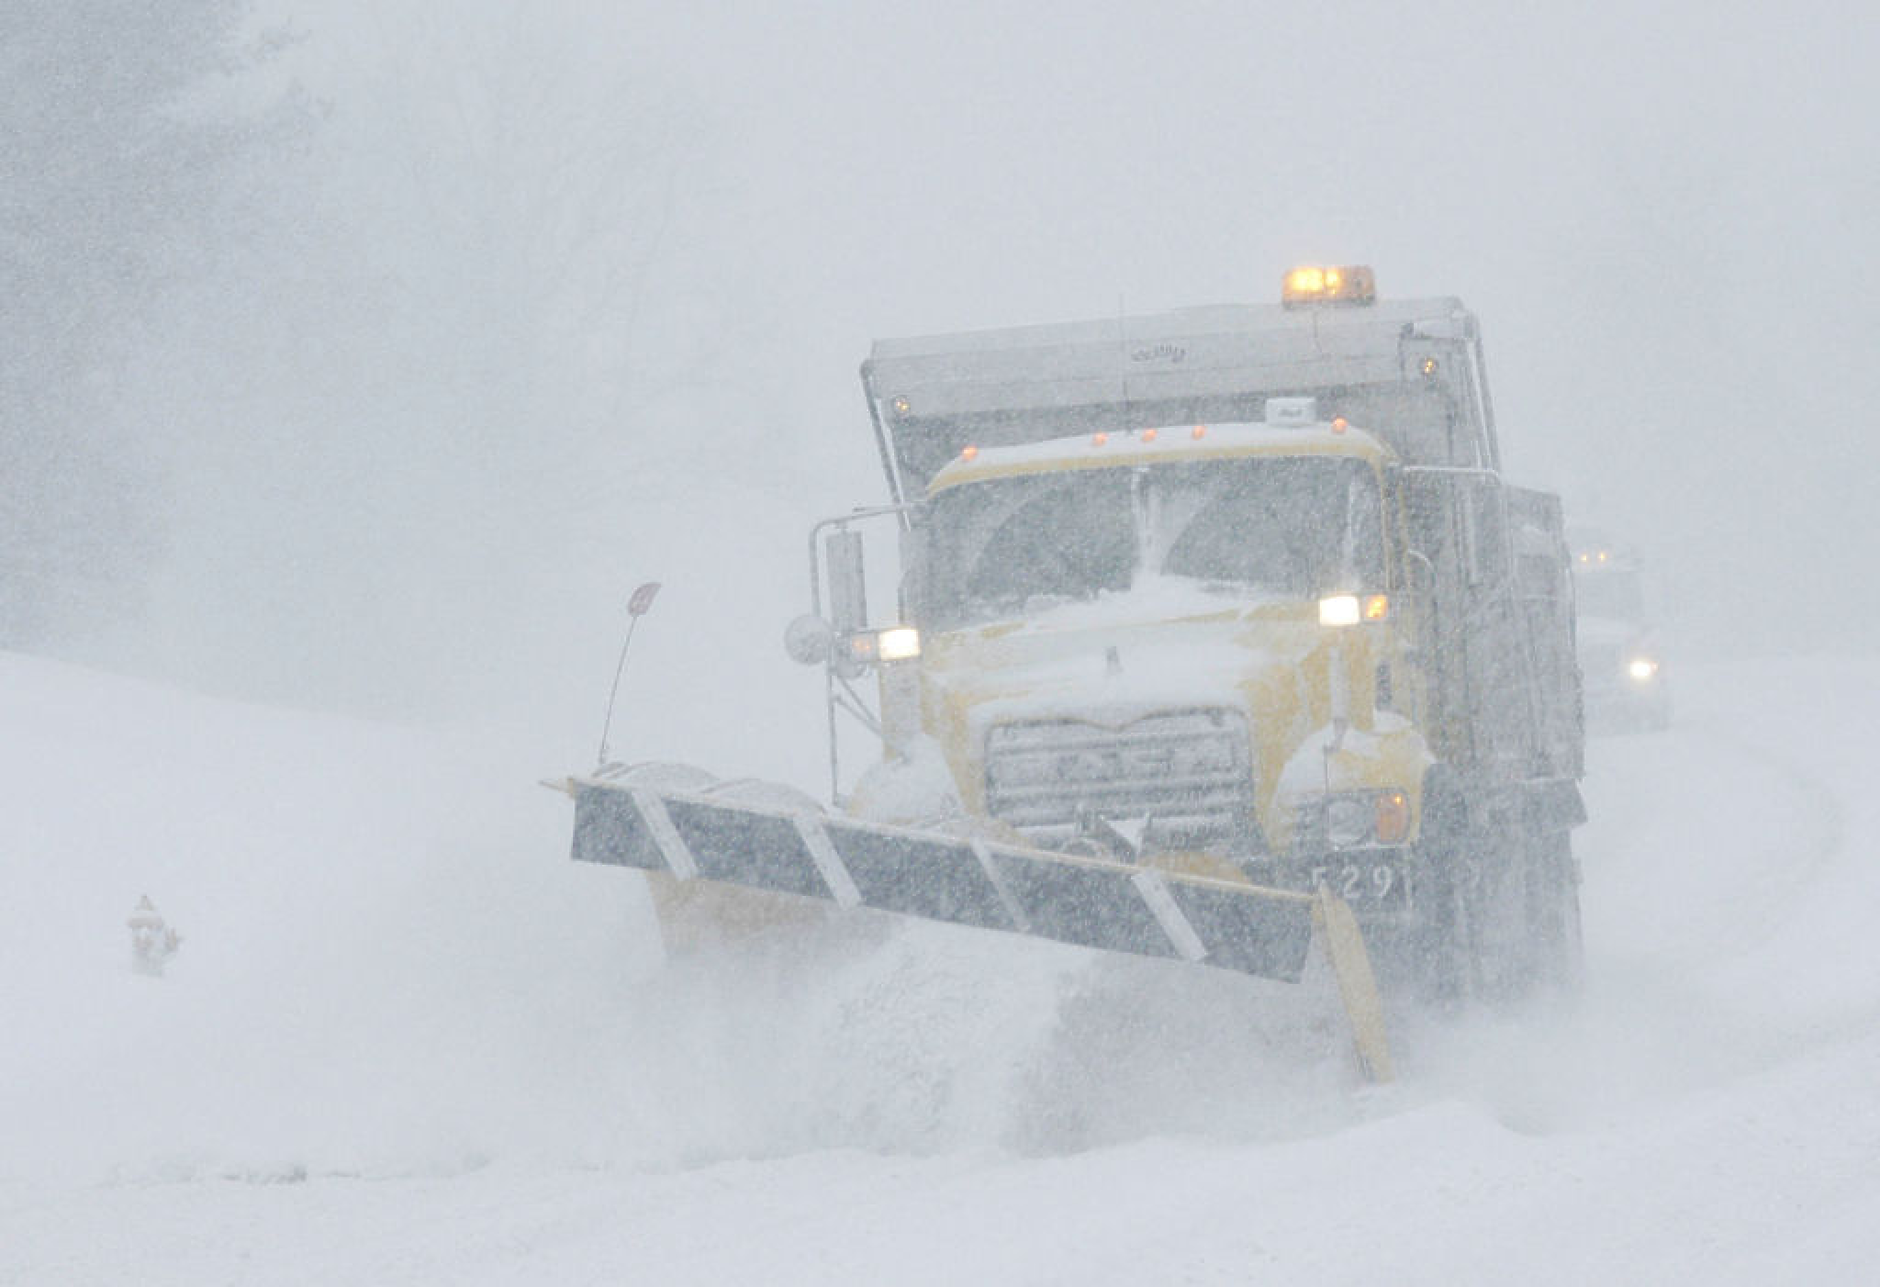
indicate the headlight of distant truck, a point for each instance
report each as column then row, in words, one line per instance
column 1642, row 669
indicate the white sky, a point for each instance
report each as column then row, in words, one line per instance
column 1663, row 216
column 1663, row 220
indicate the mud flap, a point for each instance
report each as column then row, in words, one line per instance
column 1090, row 902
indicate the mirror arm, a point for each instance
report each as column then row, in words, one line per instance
column 851, row 701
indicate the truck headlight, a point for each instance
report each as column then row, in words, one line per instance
column 1350, row 609
column 1641, row 668
column 1349, row 820
column 1339, row 610
column 898, row 643
column 1364, row 817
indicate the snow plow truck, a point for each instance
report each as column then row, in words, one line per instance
column 1218, row 634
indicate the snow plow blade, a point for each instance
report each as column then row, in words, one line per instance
column 1089, row 902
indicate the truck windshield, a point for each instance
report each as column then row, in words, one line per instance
column 1264, row 527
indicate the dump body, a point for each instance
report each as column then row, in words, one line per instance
column 933, row 396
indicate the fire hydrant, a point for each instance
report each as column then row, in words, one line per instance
column 152, row 942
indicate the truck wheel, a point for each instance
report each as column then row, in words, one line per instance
column 1555, row 954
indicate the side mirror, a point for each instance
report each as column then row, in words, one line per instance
column 809, row 640
column 848, row 582
column 1457, row 515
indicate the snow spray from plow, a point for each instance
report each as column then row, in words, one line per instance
column 1089, row 902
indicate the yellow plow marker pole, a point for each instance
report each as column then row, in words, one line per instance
column 1357, row 986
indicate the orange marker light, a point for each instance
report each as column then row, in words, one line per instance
column 1099, row 439
column 1393, row 816
column 1345, row 284
column 1339, row 425
column 1376, row 607
column 1200, row 431
column 1148, row 435
column 1305, row 282
column 967, row 453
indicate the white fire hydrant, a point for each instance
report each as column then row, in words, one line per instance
column 152, row 942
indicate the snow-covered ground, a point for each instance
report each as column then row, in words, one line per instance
column 406, row 1041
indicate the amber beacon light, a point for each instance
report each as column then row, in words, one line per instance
column 1349, row 284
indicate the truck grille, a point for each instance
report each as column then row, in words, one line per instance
column 1190, row 773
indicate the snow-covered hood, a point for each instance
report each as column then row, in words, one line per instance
column 1118, row 658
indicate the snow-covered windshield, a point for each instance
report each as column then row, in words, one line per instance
column 1279, row 527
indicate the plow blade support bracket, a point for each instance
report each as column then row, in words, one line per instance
column 672, row 847
column 1357, row 986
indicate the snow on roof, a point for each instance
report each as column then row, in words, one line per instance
column 1134, row 339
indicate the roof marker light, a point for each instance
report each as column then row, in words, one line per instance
column 1098, row 439
column 1148, row 435
column 1340, row 424
column 968, row 452
column 1347, row 284
column 1200, row 431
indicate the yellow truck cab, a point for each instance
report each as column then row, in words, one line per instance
column 1127, row 640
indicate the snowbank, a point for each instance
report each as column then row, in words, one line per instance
column 406, row 1040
